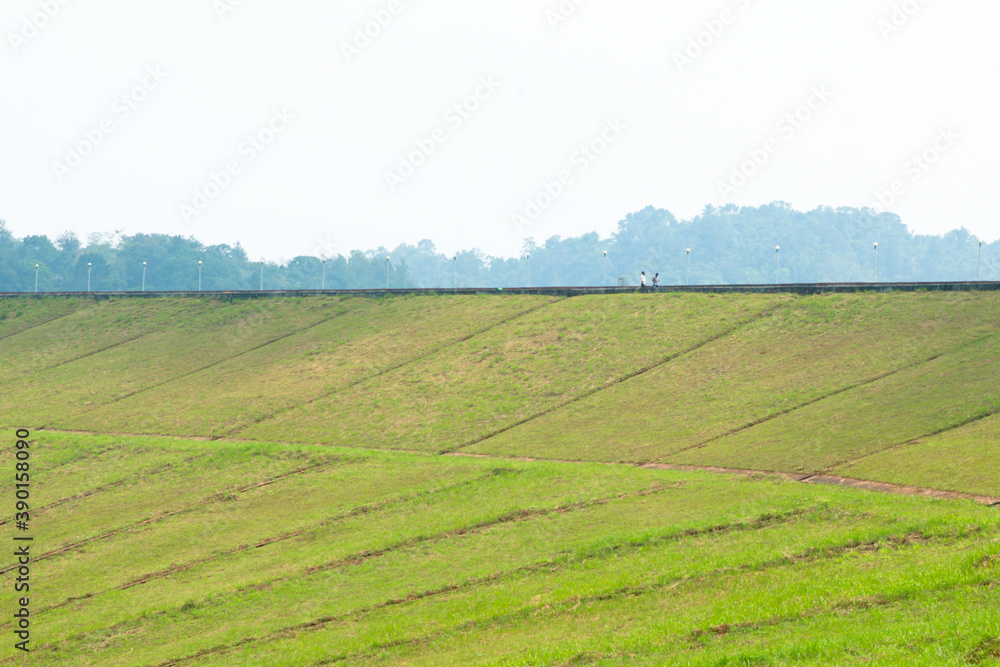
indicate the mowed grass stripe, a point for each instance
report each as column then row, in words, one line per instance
column 597, row 574
column 277, row 414
column 216, row 362
column 358, row 338
column 93, row 491
column 69, row 468
column 396, row 593
column 45, row 395
column 951, row 390
column 631, row 376
column 233, row 525
column 442, row 570
column 811, row 348
column 92, row 353
column 852, row 632
column 158, row 518
column 91, row 327
column 237, row 357
column 983, row 413
column 800, row 406
column 922, row 633
column 180, row 489
column 17, row 317
column 463, row 557
column 376, row 373
column 155, row 360
column 282, row 635
column 503, row 376
column 964, row 458
column 449, row 512
column 833, row 394
column 659, row 614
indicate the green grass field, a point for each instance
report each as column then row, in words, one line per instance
column 460, row 480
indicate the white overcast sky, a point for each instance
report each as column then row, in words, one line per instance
column 898, row 79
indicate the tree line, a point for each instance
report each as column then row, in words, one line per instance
column 728, row 245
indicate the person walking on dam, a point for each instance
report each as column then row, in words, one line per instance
column 642, row 280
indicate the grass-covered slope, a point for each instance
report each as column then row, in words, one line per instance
column 515, row 371
column 314, row 359
column 276, row 529
column 806, row 351
column 768, row 382
column 157, row 551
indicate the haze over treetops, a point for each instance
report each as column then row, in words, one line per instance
column 729, row 245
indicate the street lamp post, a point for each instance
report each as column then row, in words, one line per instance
column 454, row 283
column 777, row 253
column 36, row 277
column 387, row 272
column 528, row 257
column 875, row 263
column 323, row 284
column 144, row 276
column 261, row 275
column 687, row 269
column 89, row 266
column 980, row 260
column 199, row 275
column 605, row 268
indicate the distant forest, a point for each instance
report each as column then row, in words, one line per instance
column 729, row 245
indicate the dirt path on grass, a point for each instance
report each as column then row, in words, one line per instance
column 828, row 480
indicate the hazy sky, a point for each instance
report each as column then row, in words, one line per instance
column 309, row 127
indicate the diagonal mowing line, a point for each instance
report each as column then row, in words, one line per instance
column 569, row 604
column 867, row 485
column 621, row 380
column 863, row 383
column 204, row 368
column 40, row 324
column 527, row 569
column 429, row 353
column 916, row 440
column 88, row 456
column 360, row 510
column 100, row 489
column 167, row 515
column 90, row 354
column 782, row 413
column 511, row 517
column 514, row 516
